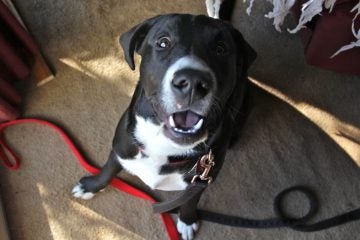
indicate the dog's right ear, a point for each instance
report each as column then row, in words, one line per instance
column 132, row 40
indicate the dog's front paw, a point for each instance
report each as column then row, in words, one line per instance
column 79, row 191
column 187, row 231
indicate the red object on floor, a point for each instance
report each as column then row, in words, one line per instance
column 17, row 51
column 8, row 92
column 7, row 111
column 12, row 60
column 6, row 152
column 327, row 33
column 17, row 29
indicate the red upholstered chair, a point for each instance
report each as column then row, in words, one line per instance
column 19, row 56
column 327, row 33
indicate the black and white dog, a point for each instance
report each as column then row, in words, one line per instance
column 193, row 78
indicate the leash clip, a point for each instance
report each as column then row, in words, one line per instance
column 206, row 163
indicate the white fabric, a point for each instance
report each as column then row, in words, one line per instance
column 248, row 10
column 356, row 34
column 329, row 4
column 309, row 10
column 280, row 10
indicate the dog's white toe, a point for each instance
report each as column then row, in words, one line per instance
column 79, row 192
column 187, row 231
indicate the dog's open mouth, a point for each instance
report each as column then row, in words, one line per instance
column 186, row 122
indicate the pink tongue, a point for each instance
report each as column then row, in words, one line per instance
column 185, row 120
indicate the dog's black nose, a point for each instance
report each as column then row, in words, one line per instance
column 192, row 82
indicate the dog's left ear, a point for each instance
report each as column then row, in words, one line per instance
column 245, row 51
column 132, row 40
column 245, row 57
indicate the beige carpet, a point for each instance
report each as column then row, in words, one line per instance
column 307, row 131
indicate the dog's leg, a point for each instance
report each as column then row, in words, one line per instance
column 187, row 224
column 210, row 8
column 88, row 186
column 213, row 8
column 217, row 6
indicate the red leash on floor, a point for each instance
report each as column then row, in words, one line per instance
column 6, row 151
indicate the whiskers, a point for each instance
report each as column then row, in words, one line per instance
column 216, row 107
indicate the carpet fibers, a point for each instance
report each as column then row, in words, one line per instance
column 304, row 128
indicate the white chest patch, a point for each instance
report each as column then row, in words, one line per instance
column 147, row 169
column 157, row 148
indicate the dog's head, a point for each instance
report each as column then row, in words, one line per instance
column 192, row 69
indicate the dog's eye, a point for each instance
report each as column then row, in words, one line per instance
column 163, row 42
column 220, row 49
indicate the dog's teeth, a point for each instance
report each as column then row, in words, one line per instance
column 179, row 130
column 198, row 125
column 194, row 129
column 171, row 121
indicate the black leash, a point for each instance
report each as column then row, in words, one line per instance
column 189, row 194
column 202, row 179
column 281, row 220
